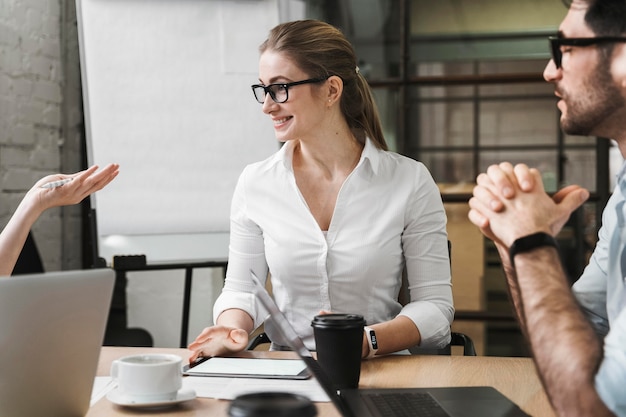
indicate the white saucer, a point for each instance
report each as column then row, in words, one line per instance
column 116, row 397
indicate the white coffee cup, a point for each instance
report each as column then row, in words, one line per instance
column 149, row 377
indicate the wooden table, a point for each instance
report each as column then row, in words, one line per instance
column 514, row 377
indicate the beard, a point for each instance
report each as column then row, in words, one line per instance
column 599, row 99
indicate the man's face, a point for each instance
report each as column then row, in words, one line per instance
column 590, row 98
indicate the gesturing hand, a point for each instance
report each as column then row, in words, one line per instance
column 218, row 341
column 82, row 184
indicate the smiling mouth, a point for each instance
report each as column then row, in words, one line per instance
column 281, row 121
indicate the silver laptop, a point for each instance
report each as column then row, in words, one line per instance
column 393, row 402
column 51, row 331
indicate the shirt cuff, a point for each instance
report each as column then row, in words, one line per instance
column 432, row 324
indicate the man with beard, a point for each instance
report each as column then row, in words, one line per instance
column 578, row 338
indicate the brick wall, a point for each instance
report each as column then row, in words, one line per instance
column 40, row 116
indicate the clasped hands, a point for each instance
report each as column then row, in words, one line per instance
column 510, row 202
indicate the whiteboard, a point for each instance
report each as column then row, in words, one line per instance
column 166, row 90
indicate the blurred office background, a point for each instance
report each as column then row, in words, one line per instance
column 459, row 86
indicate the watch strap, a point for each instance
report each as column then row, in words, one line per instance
column 530, row 242
column 372, row 342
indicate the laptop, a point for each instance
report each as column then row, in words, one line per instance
column 392, row 402
column 51, row 331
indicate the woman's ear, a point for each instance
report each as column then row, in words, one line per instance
column 335, row 89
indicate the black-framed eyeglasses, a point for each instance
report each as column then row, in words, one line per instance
column 279, row 92
column 556, row 42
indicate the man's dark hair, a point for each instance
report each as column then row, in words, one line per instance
column 605, row 17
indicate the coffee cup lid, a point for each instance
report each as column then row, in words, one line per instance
column 338, row 321
column 271, row 404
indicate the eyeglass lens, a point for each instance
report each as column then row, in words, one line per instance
column 278, row 92
column 555, row 48
column 556, row 43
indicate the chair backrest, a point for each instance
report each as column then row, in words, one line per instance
column 461, row 339
column 457, row 338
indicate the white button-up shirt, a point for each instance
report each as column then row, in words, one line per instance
column 388, row 215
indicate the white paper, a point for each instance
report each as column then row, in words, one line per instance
column 101, row 386
column 229, row 388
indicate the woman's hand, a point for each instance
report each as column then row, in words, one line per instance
column 82, row 184
column 218, row 341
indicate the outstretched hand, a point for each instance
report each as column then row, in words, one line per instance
column 218, row 341
column 39, row 199
column 82, row 184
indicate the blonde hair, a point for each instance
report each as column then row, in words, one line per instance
column 321, row 50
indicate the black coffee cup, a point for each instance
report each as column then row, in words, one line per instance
column 339, row 343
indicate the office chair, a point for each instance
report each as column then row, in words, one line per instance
column 457, row 339
column 259, row 339
column 461, row 339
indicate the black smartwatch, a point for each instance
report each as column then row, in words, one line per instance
column 530, row 242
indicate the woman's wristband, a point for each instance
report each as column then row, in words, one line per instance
column 372, row 342
column 531, row 242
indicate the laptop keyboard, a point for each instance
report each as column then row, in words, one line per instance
column 404, row 404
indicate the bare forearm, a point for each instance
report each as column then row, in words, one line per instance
column 14, row 235
column 565, row 347
column 511, row 278
column 237, row 319
column 394, row 335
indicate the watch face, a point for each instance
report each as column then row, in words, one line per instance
column 372, row 338
column 374, row 342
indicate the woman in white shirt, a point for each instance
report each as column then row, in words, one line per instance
column 333, row 216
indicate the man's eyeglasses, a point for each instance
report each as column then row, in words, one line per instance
column 556, row 42
column 279, row 92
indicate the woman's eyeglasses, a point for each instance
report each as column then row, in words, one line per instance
column 557, row 41
column 279, row 92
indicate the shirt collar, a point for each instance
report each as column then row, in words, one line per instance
column 621, row 179
column 370, row 153
column 286, row 155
